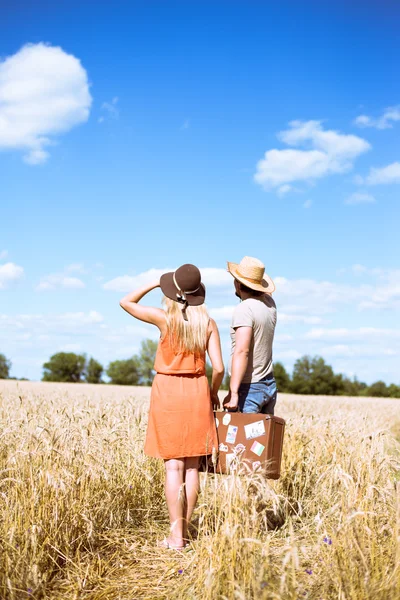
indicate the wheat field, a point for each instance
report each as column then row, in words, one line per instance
column 82, row 508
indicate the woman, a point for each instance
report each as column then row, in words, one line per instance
column 181, row 425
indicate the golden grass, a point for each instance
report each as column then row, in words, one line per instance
column 82, row 507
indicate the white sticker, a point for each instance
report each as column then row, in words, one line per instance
column 239, row 448
column 226, row 419
column 253, row 430
column 216, row 422
column 231, row 434
column 223, row 448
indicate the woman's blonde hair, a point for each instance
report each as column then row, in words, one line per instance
column 191, row 335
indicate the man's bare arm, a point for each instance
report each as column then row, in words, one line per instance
column 240, row 361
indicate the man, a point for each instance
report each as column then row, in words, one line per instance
column 252, row 386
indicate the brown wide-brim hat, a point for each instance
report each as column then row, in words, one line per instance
column 184, row 284
column 251, row 272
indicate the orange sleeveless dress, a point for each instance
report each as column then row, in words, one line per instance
column 181, row 421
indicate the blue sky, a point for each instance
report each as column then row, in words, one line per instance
column 139, row 136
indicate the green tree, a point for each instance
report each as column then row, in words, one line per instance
column 5, row 366
column 394, row 390
column 282, row 377
column 94, row 371
column 351, row 387
column 145, row 361
column 209, row 371
column 378, row 389
column 64, row 366
column 314, row 376
column 124, row 372
column 227, row 381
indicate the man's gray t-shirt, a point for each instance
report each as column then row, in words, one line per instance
column 260, row 314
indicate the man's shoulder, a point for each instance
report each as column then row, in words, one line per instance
column 242, row 308
column 256, row 303
column 269, row 301
column 242, row 315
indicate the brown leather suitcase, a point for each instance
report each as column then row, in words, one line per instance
column 247, row 442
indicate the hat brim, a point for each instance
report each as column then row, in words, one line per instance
column 170, row 290
column 267, row 285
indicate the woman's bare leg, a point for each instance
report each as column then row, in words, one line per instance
column 176, row 499
column 192, row 488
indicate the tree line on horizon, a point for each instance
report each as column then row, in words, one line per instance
column 310, row 376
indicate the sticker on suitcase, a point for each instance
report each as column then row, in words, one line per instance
column 239, row 449
column 231, row 434
column 253, row 430
column 226, row 419
column 257, row 448
column 223, row 448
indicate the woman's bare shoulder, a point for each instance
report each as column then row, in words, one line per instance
column 212, row 326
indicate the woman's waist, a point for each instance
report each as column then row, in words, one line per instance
column 179, row 364
column 184, row 372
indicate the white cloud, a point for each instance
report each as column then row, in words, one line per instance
column 308, row 296
column 110, row 110
column 223, row 313
column 360, row 198
column 286, row 354
column 70, row 348
column 212, row 277
column 43, row 325
column 63, row 280
column 126, row 283
column 384, row 175
column 390, row 116
column 43, row 92
column 328, row 152
column 76, row 268
column 366, row 350
column 359, row 269
column 216, row 277
column 9, row 273
column 284, row 189
column 81, row 318
column 59, row 281
column 307, row 319
column 353, row 334
column 358, row 180
column 282, row 338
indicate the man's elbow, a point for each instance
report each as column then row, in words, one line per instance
column 242, row 352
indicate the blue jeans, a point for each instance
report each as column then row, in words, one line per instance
column 259, row 397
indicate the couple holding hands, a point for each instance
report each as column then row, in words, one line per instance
column 181, row 425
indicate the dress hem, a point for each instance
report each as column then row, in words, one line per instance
column 173, row 457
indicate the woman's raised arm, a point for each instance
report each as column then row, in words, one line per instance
column 148, row 314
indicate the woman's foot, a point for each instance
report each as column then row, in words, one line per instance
column 172, row 543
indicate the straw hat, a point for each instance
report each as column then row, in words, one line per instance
column 251, row 272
